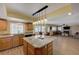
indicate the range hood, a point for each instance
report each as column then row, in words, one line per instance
column 3, row 13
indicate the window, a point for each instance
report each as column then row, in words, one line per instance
column 60, row 28
column 48, row 29
column 39, row 28
column 16, row 28
column 53, row 28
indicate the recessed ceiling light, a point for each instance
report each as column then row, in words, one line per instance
column 69, row 13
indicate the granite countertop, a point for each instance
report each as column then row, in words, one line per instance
column 3, row 36
column 37, row 42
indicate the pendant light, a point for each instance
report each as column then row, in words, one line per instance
column 41, row 19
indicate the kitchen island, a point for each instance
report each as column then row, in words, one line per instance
column 38, row 46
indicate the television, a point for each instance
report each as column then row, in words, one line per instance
column 66, row 27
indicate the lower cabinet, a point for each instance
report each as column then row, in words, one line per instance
column 30, row 50
column 15, row 41
column 25, row 47
column 45, row 52
column 50, row 47
column 21, row 39
column 5, row 43
column 10, row 42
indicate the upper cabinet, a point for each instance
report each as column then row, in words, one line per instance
column 29, row 26
column 3, row 25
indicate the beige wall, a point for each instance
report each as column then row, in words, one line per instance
column 17, row 14
column 75, row 28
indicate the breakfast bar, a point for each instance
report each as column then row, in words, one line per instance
column 38, row 46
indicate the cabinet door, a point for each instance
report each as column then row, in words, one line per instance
column 15, row 41
column 25, row 47
column 1, row 43
column 50, row 48
column 21, row 39
column 3, row 25
column 5, row 43
column 29, row 26
column 8, row 42
column 30, row 50
column 44, row 50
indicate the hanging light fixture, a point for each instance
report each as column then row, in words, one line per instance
column 33, row 20
column 45, row 16
column 41, row 19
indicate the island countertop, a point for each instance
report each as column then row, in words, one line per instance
column 37, row 42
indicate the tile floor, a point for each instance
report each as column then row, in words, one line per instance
column 66, row 46
column 61, row 46
column 13, row 51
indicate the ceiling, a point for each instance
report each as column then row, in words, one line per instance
column 54, row 9
column 64, row 18
column 29, row 8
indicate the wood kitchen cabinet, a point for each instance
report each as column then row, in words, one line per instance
column 5, row 43
column 10, row 42
column 15, row 41
column 3, row 25
column 31, row 50
column 21, row 39
column 50, row 47
column 25, row 50
column 29, row 26
column 2, row 43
